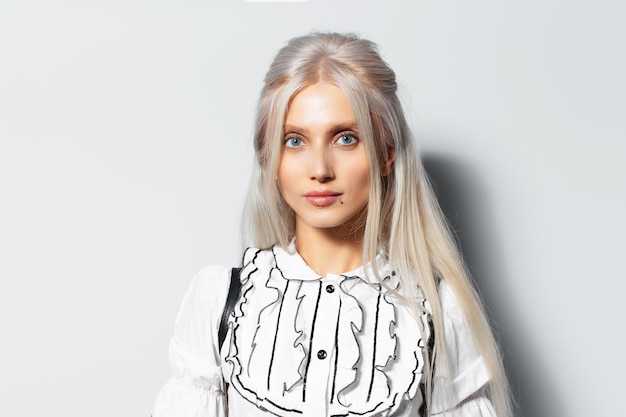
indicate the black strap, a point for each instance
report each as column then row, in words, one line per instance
column 231, row 300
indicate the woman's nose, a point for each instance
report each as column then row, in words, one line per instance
column 321, row 165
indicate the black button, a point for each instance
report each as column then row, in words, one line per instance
column 321, row 354
column 330, row 289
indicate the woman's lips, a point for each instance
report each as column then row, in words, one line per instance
column 322, row 198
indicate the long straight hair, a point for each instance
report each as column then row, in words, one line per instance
column 403, row 217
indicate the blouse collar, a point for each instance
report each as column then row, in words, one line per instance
column 293, row 266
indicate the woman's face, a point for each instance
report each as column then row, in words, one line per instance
column 324, row 172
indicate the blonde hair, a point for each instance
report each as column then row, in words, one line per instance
column 403, row 217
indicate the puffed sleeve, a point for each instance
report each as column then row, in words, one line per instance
column 196, row 386
column 468, row 371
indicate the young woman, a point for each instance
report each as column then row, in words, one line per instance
column 354, row 298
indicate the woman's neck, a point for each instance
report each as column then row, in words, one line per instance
column 328, row 251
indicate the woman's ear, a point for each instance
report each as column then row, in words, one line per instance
column 387, row 166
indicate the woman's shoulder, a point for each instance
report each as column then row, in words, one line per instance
column 457, row 330
column 210, row 277
column 201, row 309
column 203, row 304
column 468, row 371
column 207, row 286
column 449, row 300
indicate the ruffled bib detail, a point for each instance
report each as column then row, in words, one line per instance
column 304, row 345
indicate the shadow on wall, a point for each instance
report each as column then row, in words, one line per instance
column 467, row 207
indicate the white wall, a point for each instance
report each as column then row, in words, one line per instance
column 124, row 152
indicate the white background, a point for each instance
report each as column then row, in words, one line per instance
column 125, row 133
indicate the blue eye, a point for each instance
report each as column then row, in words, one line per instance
column 293, row 142
column 347, row 139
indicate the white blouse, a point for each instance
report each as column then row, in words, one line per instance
column 303, row 345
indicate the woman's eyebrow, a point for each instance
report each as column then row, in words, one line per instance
column 335, row 128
